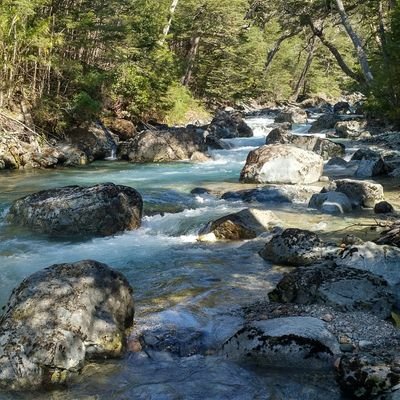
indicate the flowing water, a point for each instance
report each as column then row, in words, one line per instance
column 179, row 284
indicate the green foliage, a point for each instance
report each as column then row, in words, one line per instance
column 183, row 107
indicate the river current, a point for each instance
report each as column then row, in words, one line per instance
column 180, row 285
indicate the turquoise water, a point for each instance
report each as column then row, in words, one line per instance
column 178, row 282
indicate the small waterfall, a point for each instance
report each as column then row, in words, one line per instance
column 111, row 141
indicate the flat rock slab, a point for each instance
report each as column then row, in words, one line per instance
column 102, row 210
column 58, row 318
column 291, row 342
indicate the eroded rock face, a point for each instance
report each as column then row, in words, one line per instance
column 331, row 202
column 162, row 146
column 367, row 376
column 282, row 164
column 301, row 342
column 58, row 318
column 343, row 288
column 246, row 224
column 294, row 247
column 361, row 193
column 102, row 209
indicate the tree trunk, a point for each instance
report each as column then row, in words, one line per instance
column 194, row 48
column 301, row 81
column 167, row 27
column 361, row 55
column 335, row 52
column 276, row 47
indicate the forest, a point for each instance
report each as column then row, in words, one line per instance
column 71, row 61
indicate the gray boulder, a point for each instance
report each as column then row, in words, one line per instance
column 371, row 168
column 300, row 342
column 361, row 193
column 292, row 116
column 162, row 146
column 350, row 129
column 102, row 209
column 278, row 135
column 229, row 124
column 294, row 247
column 282, row 164
column 331, row 202
column 246, row 224
column 324, row 122
column 366, row 154
column 342, row 107
column 58, row 318
column 343, row 288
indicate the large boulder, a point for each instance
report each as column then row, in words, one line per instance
column 282, row 164
column 371, row 168
column 245, row 224
column 123, row 128
column 331, row 202
column 228, row 124
column 301, row 342
column 342, row 108
column 278, row 135
column 361, row 193
column 324, row 122
column 162, row 146
column 102, row 209
column 294, row 247
column 292, row 115
column 94, row 140
column 343, row 288
column 350, row 129
column 58, row 318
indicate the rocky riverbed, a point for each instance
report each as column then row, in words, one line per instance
column 272, row 288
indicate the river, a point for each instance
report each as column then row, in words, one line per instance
column 180, row 285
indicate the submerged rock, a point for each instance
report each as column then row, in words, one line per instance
column 343, row 288
column 162, row 146
column 58, row 318
column 102, row 209
column 291, row 342
column 294, row 247
column 331, row 202
column 282, row 164
column 246, row 224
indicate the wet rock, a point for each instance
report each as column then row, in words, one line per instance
column 341, row 108
column 337, row 162
column 366, row 154
column 273, row 194
column 331, row 203
column 58, row 318
column 371, row 168
column 294, row 247
column 197, row 156
column 383, row 207
column 292, row 116
column 162, row 146
column 199, row 191
column 246, row 224
column 324, row 122
column 102, row 209
column 390, row 236
column 302, row 342
column 229, row 124
column 350, row 129
column 367, row 376
column 361, row 193
column 343, row 288
column 282, row 164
